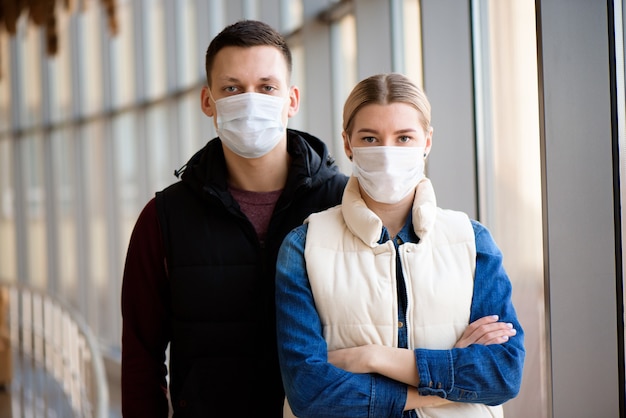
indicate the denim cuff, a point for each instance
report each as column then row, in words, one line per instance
column 436, row 371
column 388, row 397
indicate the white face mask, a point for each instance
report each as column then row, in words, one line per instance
column 250, row 124
column 388, row 173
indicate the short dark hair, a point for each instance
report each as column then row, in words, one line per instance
column 247, row 33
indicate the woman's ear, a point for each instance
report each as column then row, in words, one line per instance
column 429, row 142
column 346, row 145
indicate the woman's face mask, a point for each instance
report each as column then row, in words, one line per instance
column 388, row 173
column 250, row 124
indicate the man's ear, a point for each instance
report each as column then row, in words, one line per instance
column 294, row 101
column 206, row 103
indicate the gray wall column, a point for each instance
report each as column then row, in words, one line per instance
column 578, row 207
column 448, row 82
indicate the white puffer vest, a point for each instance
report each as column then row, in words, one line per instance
column 353, row 280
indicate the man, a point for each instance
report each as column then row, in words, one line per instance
column 200, row 267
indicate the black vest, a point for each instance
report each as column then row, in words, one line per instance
column 223, row 359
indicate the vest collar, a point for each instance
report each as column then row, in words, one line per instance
column 367, row 226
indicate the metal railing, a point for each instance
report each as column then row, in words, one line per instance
column 57, row 367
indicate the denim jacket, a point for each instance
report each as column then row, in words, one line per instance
column 477, row 374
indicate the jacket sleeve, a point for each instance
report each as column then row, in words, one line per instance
column 489, row 374
column 145, row 328
column 314, row 387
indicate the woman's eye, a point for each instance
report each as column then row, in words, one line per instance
column 405, row 139
column 369, row 139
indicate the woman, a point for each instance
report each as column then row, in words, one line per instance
column 388, row 306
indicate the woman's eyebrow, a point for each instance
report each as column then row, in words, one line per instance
column 399, row 131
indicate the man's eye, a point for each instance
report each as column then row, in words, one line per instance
column 230, row 89
column 269, row 89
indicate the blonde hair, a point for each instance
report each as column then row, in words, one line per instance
column 384, row 89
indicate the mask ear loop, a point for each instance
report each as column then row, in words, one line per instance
column 211, row 95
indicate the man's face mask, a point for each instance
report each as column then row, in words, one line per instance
column 250, row 124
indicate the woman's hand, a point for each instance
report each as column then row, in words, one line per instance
column 486, row 330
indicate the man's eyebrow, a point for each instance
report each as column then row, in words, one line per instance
column 232, row 79
column 228, row 79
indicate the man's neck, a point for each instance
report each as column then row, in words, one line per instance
column 264, row 174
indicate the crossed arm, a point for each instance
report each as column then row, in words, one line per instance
column 399, row 363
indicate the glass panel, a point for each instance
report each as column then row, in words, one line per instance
column 61, row 73
column 32, row 172
column 196, row 129
column 186, row 44
column 8, row 254
column 5, row 85
column 28, row 74
column 291, row 16
column 90, row 56
column 413, row 41
column 344, row 73
column 63, row 160
column 158, row 147
column 510, row 174
column 123, row 57
column 94, row 287
column 154, row 51
column 126, row 155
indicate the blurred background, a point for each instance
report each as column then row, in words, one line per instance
column 100, row 103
